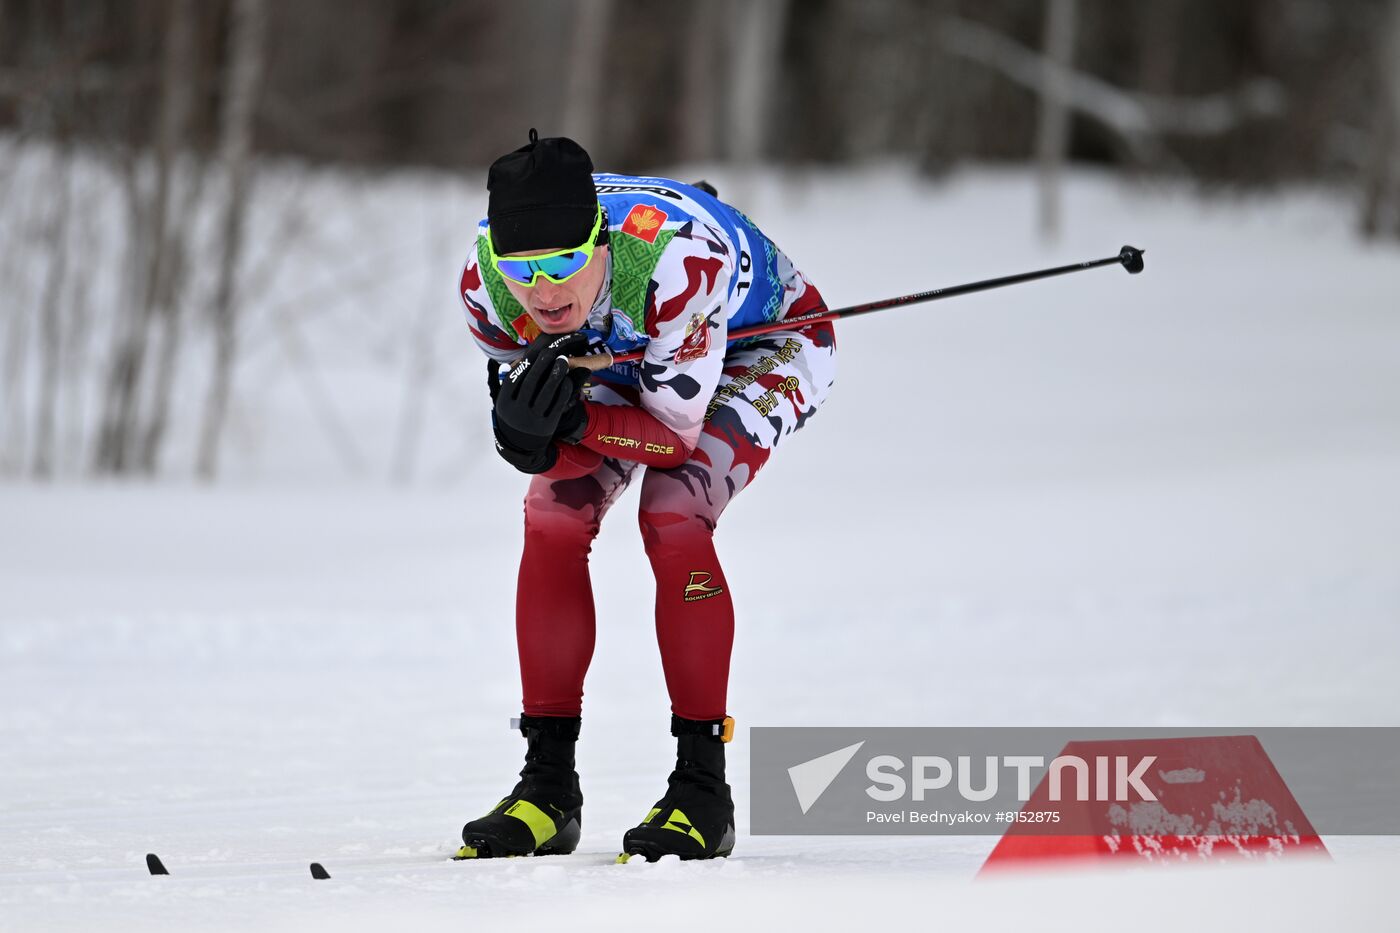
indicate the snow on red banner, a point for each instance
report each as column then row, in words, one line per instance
column 1217, row 797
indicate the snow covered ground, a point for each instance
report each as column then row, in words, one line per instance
column 1168, row 500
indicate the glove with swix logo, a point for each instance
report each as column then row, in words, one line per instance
column 574, row 421
column 531, row 401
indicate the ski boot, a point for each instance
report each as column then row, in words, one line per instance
column 542, row 815
column 695, row 819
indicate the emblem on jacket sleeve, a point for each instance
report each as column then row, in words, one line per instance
column 526, row 327
column 697, row 339
column 644, row 222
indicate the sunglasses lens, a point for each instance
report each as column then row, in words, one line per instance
column 517, row 270
column 560, row 268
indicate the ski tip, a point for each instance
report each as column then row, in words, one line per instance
column 154, row 865
column 318, row 871
column 622, row 858
column 465, row 852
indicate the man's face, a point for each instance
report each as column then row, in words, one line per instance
column 561, row 307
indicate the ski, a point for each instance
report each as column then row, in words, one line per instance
column 156, row 867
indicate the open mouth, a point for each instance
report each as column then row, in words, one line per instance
column 555, row 315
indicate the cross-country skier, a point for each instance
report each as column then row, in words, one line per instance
column 567, row 261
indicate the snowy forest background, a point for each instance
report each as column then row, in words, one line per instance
column 181, row 182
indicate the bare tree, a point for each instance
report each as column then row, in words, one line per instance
column 86, row 240
column 247, row 63
column 1378, row 183
column 33, row 114
column 1139, row 120
column 583, row 110
column 12, row 396
column 1052, row 127
column 1159, row 40
column 51, row 313
column 129, row 330
column 696, row 117
column 420, row 375
column 167, row 288
column 871, row 94
column 156, row 243
column 759, row 26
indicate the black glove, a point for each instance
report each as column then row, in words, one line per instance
column 574, row 421
column 546, row 348
column 573, row 424
column 533, row 399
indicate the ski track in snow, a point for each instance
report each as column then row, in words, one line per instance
column 1159, row 501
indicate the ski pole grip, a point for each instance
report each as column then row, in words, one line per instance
column 593, row 362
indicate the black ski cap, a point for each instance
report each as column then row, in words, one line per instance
column 541, row 196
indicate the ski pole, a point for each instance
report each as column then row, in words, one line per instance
column 1128, row 257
